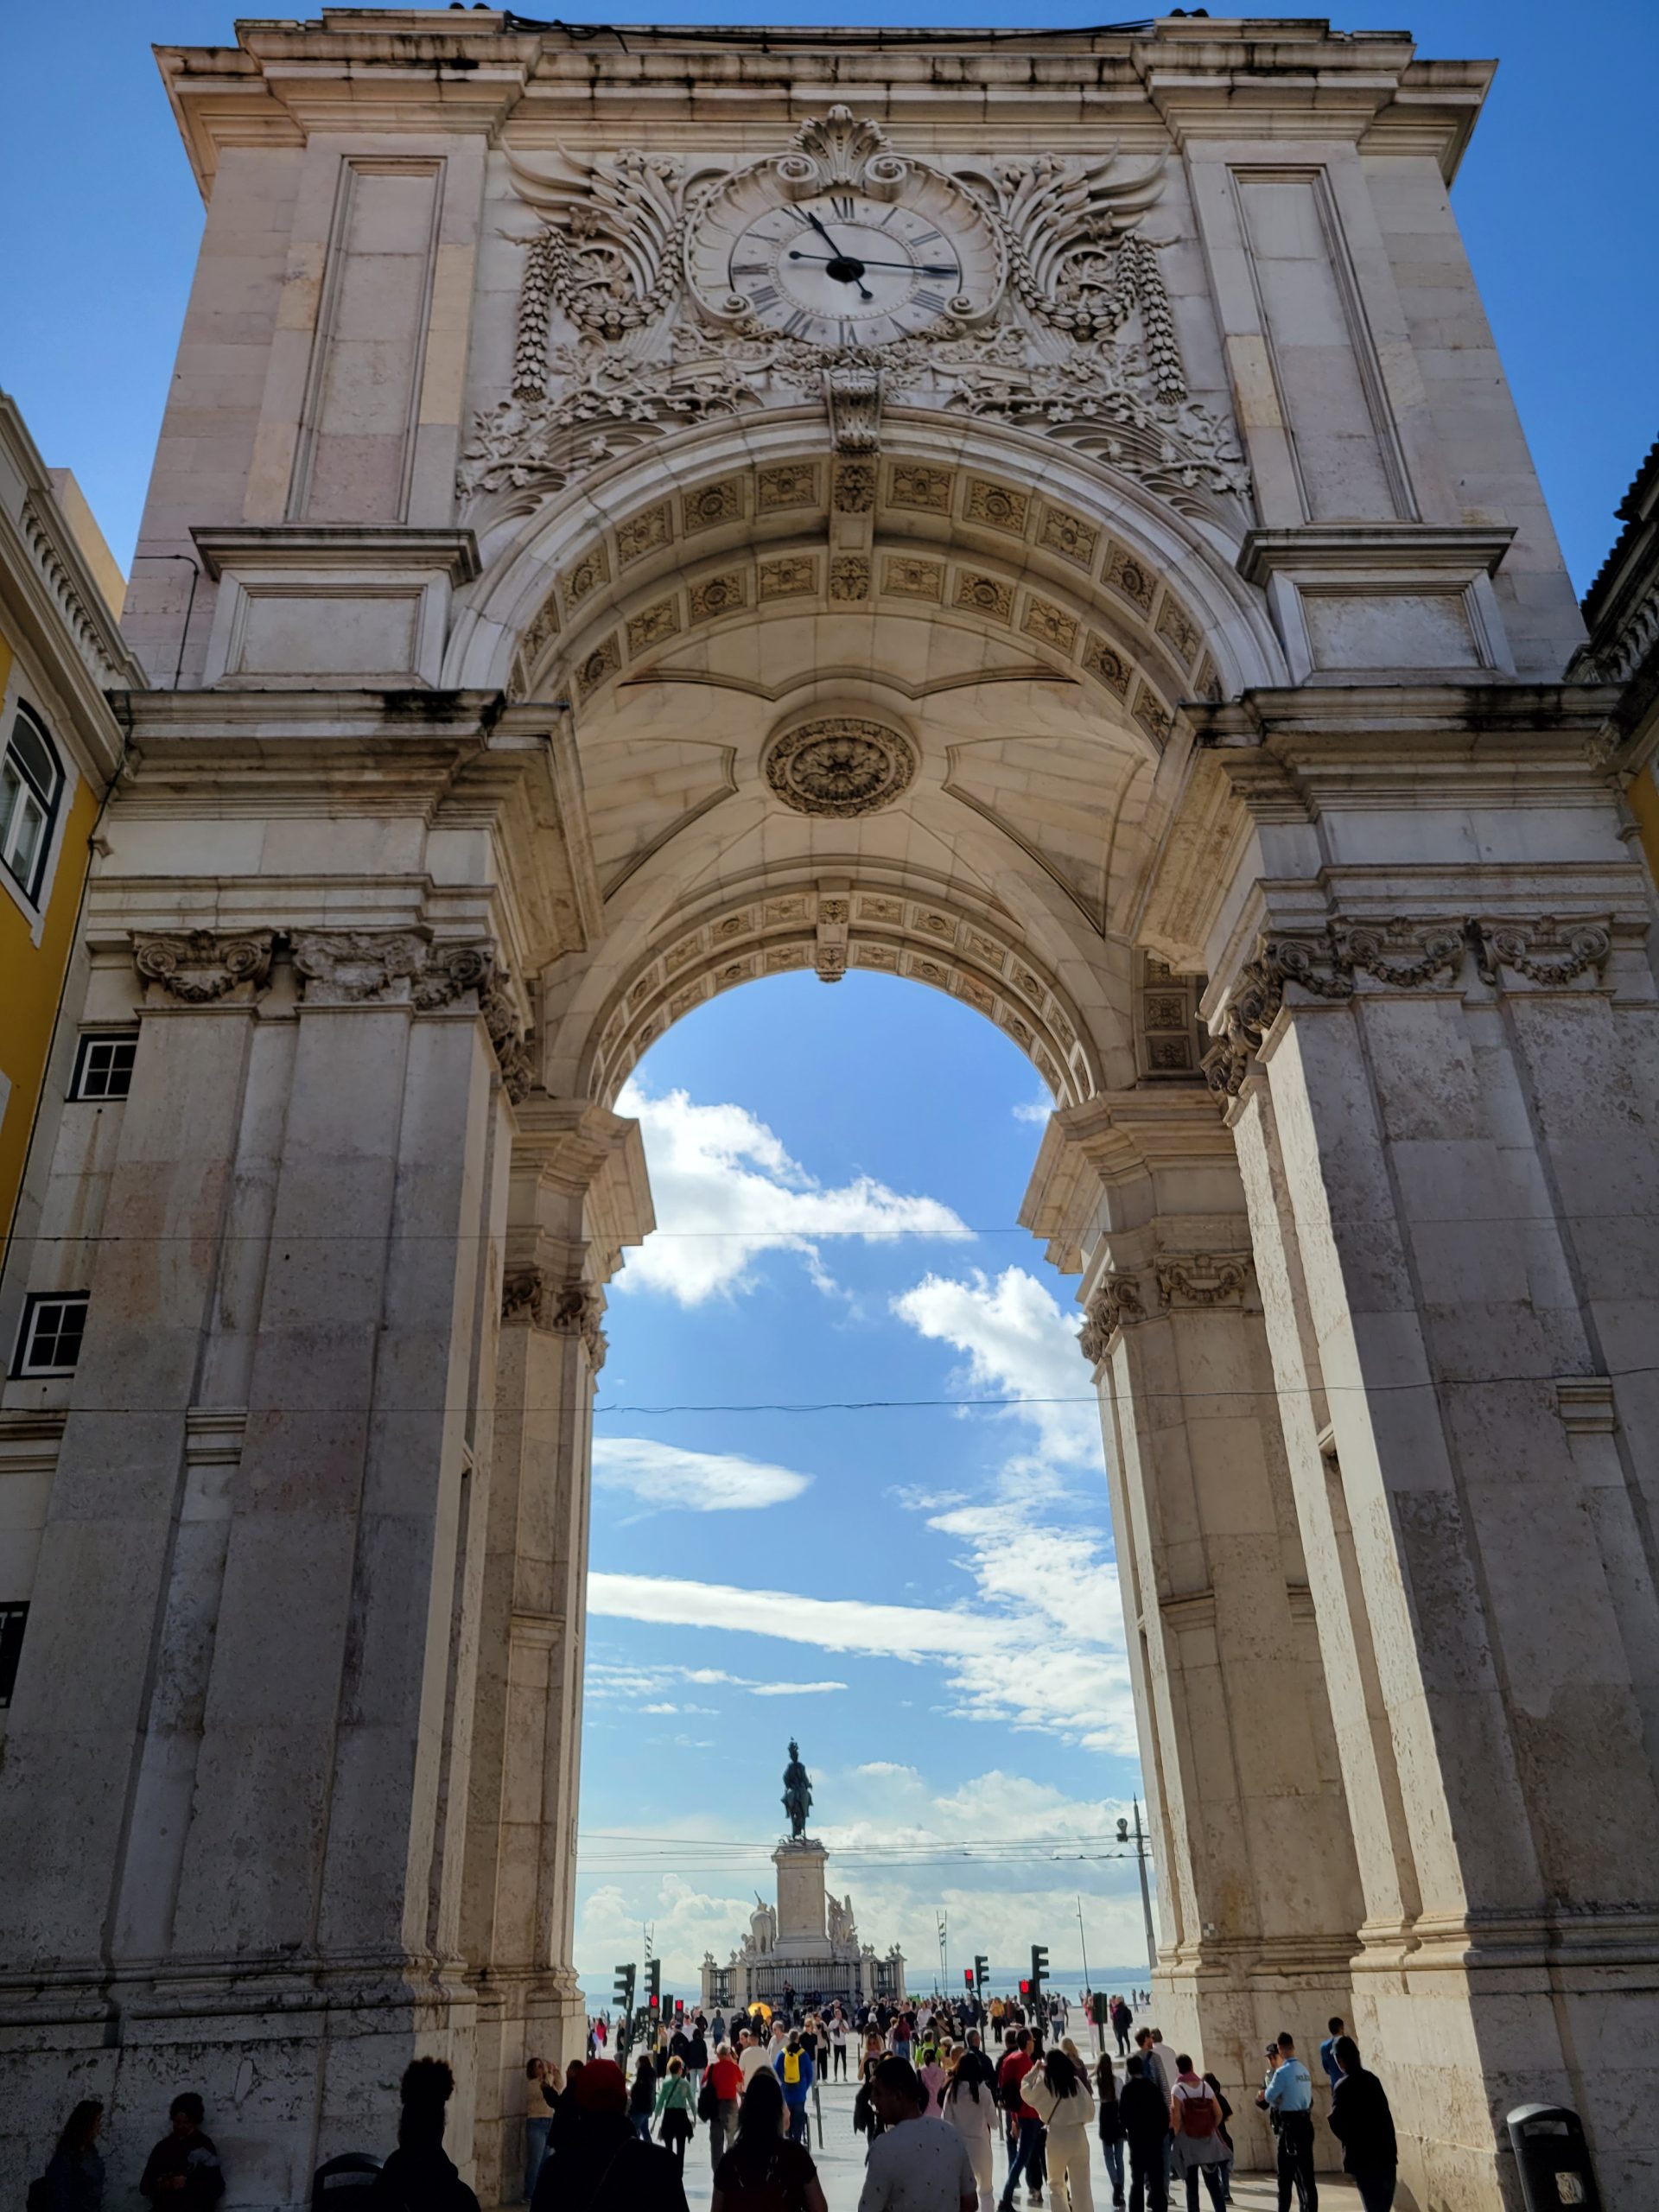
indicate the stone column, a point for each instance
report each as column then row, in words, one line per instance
column 1259, row 1900
column 1449, row 1160
column 578, row 1195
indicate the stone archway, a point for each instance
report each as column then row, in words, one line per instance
column 1178, row 631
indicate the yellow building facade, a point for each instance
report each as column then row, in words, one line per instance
column 61, row 746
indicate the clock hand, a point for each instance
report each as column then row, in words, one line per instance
column 917, row 268
column 851, row 271
column 834, row 250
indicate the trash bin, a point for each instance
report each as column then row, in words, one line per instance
column 336, row 2183
column 1552, row 2158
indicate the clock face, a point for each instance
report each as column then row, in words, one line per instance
column 843, row 268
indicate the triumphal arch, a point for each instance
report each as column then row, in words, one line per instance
column 643, row 511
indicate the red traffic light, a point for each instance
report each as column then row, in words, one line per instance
column 1024, row 1989
column 652, row 2000
column 967, row 1977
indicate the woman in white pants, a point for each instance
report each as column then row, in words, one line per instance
column 1058, row 2093
column 969, row 2105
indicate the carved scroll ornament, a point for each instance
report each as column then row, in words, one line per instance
column 198, row 966
column 1116, row 1302
column 1400, row 955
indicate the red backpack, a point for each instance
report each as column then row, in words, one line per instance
column 1198, row 2115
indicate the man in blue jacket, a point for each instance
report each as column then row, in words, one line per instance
column 1290, row 2096
column 793, row 2068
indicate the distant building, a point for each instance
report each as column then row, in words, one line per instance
column 805, row 1946
column 60, row 747
column 1621, row 611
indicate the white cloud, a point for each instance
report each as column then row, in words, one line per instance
column 792, row 1690
column 1019, row 1344
column 666, row 1475
column 831, row 1623
column 632, row 1684
column 726, row 1190
column 1034, row 1109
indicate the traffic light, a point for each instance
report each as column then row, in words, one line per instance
column 654, row 1984
column 679, row 2008
column 982, row 1971
column 1039, row 1969
column 1024, row 1989
column 1100, row 2008
column 622, row 1995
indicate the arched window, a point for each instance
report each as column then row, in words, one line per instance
column 31, row 784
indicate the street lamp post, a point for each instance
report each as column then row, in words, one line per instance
column 1142, row 1848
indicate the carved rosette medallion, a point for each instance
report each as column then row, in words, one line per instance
column 840, row 765
column 199, row 966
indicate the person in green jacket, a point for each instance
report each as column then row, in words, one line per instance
column 675, row 2122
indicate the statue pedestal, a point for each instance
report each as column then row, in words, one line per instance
column 800, row 1864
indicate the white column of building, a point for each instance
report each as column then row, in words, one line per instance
column 578, row 1195
column 1449, row 1161
column 1259, row 1899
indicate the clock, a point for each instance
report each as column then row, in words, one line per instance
column 845, row 265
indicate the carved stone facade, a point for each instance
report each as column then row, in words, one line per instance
column 1056, row 586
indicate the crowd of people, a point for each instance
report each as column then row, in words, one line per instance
column 939, row 2085
column 947, row 2081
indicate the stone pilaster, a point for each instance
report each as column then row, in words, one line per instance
column 1258, row 1896
column 578, row 1194
column 1444, row 1129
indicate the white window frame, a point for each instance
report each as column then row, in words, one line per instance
column 89, row 1040
column 24, row 1365
column 35, row 886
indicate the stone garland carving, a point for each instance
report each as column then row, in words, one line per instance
column 1401, row 955
column 198, row 966
column 352, row 967
column 1116, row 1302
column 569, row 1309
column 1080, row 341
column 1203, row 1278
column 346, row 968
column 840, row 766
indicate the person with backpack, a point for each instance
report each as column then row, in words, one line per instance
column 420, row 2176
column 1195, row 2129
column 723, row 2088
column 793, row 2067
column 1111, row 2127
column 763, row 2171
column 1026, row 2144
column 1059, row 2094
column 73, row 2180
column 676, row 2124
column 1225, row 2133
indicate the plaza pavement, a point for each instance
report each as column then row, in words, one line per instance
column 840, row 2160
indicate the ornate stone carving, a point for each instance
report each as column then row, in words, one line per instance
column 1399, row 955
column 1203, row 1278
column 1548, row 952
column 352, row 967
column 1075, row 338
column 569, row 1309
column 450, row 972
column 511, row 1040
column 1116, row 1302
column 841, row 764
column 198, row 966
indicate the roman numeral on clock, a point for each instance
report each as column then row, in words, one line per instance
column 764, row 295
column 932, row 301
column 842, row 203
column 750, row 267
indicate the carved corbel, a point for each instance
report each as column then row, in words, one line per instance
column 197, row 967
column 570, row 1309
column 451, row 971
column 510, row 1039
column 852, row 398
column 1115, row 1303
column 1548, row 952
column 358, row 967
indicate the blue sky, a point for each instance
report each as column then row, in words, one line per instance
column 926, row 1596
column 1554, row 199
